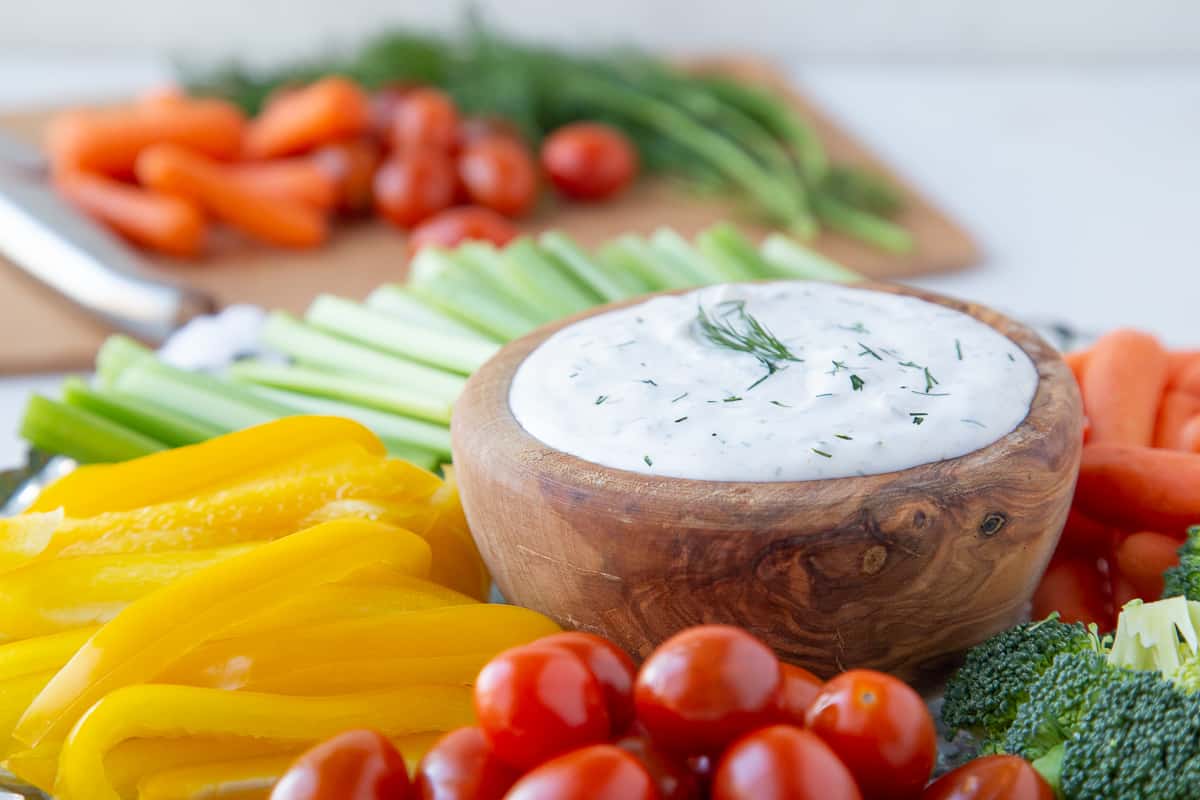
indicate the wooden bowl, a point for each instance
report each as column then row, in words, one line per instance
column 899, row 572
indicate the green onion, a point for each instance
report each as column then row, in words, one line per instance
column 790, row 259
column 581, row 266
column 863, row 225
column 396, row 301
column 138, row 414
column 77, row 433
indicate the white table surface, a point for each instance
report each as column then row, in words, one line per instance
column 1081, row 182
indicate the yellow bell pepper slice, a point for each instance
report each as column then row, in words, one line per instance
column 37, row 767
column 342, row 677
column 15, row 697
column 163, row 710
column 153, row 632
column 48, row 597
column 134, row 760
column 18, row 659
column 450, row 631
column 187, row 471
column 456, row 560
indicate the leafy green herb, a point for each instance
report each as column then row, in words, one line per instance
column 736, row 329
column 648, row 460
column 733, row 398
column 918, row 417
column 974, row 422
column 822, row 453
column 681, row 419
column 837, row 367
column 825, row 394
column 958, row 348
column 600, row 400
column 866, row 351
column 857, row 383
column 649, row 381
column 844, row 436
column 680, row 397
column 780, row 404
column 930, row 381
column 857, row 327
column 1011, row 357
column 627, row 343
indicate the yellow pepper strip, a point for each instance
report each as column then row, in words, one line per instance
column 250, row 777
column 450, row 631
column 37, row 767
column 18, row 659
column 162, row 710
column 341, row 677
column 456, row 559
column 344, row 600
column 48, row 597
column 187, row 471
column 156, row 630
column 15, row 697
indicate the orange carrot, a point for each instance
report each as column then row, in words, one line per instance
column 1077, row 361
column 1083, row 535
column 173, row 170
column 296, row 179
column 1139, row 487
column 1075, row 589
column 1189, row 436
column 159, row 222
column 1179, row 361
column 1188, row 378
column 332, row 108
column 1176, row 409
column 1124, row 381
column 351, row 164
column 1143, row 557
column 110, row 141
column 1122, row 592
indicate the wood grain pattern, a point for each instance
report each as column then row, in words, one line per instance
column 41, row 331
column 899, row 572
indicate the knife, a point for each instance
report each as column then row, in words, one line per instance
column 52, row 241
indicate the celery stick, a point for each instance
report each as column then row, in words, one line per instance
column 197, row 395
column 483, row 263
column 790, row 259
column 88, row 438
column 731, row 267
column 117, row 353
column 383, row 332
column 309, row 346
column 396, row 301
column 670, row 244
column 662, row 271
column 393, row 427
column 572, row 259
column 735, row 243
column 618, row 258
column 437, row 282
column 143, row 416
column 371, row 392
column 543, row 281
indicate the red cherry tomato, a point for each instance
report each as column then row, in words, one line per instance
column 799, row 688
column 782, row 762
column 355, row 765
column 454, row 225
column 425, row 119
column 880, row 728
column 705, row 687
column 673, row 778
column 600, row 772
column 385, row 102
column 472, row 129
column 462, row 766
column 499, row 173
column 412, row 187
column 352, row 165
column 991, row 778
column 536, row 702
column 611, row 665
column 589, row 160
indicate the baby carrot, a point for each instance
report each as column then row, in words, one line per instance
column 1123, row 591
column 1139, row 487
column 173, row 170
column 1189, row 435
column 110, row 141
column 169, row 225
column 295, row 179
column 332, row 108
column 1077, row 361
column 1178, row 362
column 1188, row 378
column 1075, row 589
column 1083, row 535
column 1176, row 409
column 1125, row 377
column 1143, row 557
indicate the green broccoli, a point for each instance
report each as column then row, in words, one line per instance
column 983, row 696
column 1184, row 579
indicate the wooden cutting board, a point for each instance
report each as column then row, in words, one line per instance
column 39, row 331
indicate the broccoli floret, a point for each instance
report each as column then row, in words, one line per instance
column 1141, row 740
column 983, row 696
column 1184, row 579
column 1159, row 636
column 1057, row 701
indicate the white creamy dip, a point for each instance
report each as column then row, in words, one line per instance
column 834, row 382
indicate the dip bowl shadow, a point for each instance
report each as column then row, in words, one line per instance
column 898, row 572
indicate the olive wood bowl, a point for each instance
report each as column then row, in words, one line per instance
column 899, row 572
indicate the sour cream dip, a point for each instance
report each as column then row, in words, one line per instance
column 782, row 381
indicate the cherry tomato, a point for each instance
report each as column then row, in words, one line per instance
column 352, row 165
column 782, row 762
column 991, row 778
column 412, row 187
column 589, row 160
column 499, row 173
column 385, row 102
column 454, row 225
column 705, row 687
column 472, row 129
column 599, row 772
column 799, row 688
column 611, row 665
column 673, row 778
column 425, row 119
column 538, row 701
column 880, row 728
column 463, row 766
column 355, row 765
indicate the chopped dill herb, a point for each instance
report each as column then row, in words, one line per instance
column 649, row 462
column 680, row 397
column 648, row 381
column 1011, row 357
column 681, row 419
column 735, row 329
column 856, row 383
column 857, row 327
column 600, row 400
column 573, row 375
column 640, row 320
column 844, row 436
column 733, row 398
column 824, row 394
column 780, row 404
column 911, row 365
column 973, row 422
column 929, row 394
column 918, row 417
column 822, row 453
column 866, row 351
column 958, row 348
column 837, row 367
column 760, row 380
column 930, row 381
column 626, row 344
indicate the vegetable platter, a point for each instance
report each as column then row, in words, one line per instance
column 362, row 256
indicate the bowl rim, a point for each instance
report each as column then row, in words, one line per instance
column 489, row 388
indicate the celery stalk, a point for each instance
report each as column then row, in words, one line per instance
column 539, row 278
column 572, row 259
column 202, row 397
column 396, row 301
column 621, row 256
column 383, row 332
column 790, row 259
column 310, row 346
column 138, row 414
column 669, row 244
column 729, row 264
column 117, row 353
column 483, row 263
column 424, row 459
column 371, row 392
column 436, row 281
column 88, row 438
column 732, row 242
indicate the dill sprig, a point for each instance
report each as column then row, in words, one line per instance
column 734, row 328
column 857, row 383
